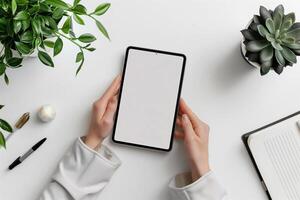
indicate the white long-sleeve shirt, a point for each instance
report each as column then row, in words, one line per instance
column 77, row 178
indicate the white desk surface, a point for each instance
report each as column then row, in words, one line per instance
column 219, row 85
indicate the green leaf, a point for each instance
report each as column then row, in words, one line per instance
column 264, row 13
column 270, row 25
column 79, row 57
column 67, row 26
column 289, row 55
column 266, row 54
column 58, row 13
column 280, row 59
column 49, row 43
column 102, row 29
column 13, row 6
column 91, row 49
column 2, row 140
column 80, row 66
column 288, row 40
column 5, row 126
column 36, row 24
column 87, row 38
column 17, row 26
column 58, row 3
column 276, row 45
column 23, row 48
column 6, row 79
column 257, row 45
column 78, row 19
column 76, row 2
column 23, row 15
column 58, row 46
column 25, row 24
column 262, row 30
column 80, row 9
column 101, row 9
column 2, row 68
column 14, row 61
column 26, row 37
column 45, row 58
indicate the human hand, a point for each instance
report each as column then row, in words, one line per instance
column 194, row 134
column 103, row 115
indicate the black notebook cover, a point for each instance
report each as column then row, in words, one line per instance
column 245, row 141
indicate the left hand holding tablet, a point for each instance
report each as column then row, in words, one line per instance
column 103, row 112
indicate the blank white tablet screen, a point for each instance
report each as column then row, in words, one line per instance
column 149, row 97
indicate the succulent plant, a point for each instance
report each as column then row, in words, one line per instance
column 272, row 39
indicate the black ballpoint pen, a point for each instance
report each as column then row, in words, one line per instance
column 20, row 159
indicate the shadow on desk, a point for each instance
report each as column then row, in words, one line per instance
column 233, row 69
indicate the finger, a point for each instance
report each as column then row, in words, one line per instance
column 108, row 116
column 187, row 127
column 191, row 115
column 178, row 121
column 101, row 104
column 112, row 89
column 179, row 135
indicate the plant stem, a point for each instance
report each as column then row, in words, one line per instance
column 70, row 39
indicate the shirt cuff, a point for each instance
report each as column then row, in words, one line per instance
column 104, row 152
column 206, row 187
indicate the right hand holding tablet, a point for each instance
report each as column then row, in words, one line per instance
column 195, row 134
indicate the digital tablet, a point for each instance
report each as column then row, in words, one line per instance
column 149, row 97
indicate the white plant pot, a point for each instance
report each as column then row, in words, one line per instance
column 243, row 50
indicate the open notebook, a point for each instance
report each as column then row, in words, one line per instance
column 275, row 152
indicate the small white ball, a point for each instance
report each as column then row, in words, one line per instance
column 46, row 113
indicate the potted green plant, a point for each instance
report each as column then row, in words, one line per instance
column 271, row 40
column 28, row 26
column 4, row 126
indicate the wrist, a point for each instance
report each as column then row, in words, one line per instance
column 199, row 170
column 92, row 140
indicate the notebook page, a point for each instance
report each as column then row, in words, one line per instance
column 277, row 155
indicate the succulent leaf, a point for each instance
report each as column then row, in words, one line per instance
column 286, row 25
column 289, row 55
column 264, row 13
column 262, row 30
column 265, row 67
column 279, row 9
column 276, row 45
column 288, row 40
column 295, row 26
column 277, row 17
column 250, row 34
column 297, row 51
column 278, row 69
column 253, row 26
column 270, row 25
column 257, row 45
column 254, row 57
column 270, row 38
column 279, row 57
column 295, row 33
column 266, row 54
column 295, row 46
column 257, row 19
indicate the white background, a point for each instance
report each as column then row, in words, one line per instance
column 220, row 87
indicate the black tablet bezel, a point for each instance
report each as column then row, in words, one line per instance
column 177, row 101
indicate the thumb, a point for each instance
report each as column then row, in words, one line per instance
column 187, row 127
